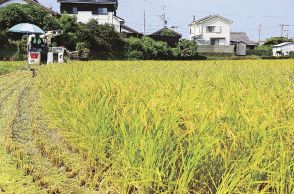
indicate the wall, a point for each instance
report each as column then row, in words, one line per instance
column 12, row 1
column 200, row 29
column 285, row 49
column 216, row 49
column 86, row 16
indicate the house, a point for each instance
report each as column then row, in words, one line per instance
column 242, row 43
column 211, row 30
column 104, row 11
column 33, row 2
column 283, row 49
column 127, row 32
column 212, row 33
column 242, row 37
column 167, row 35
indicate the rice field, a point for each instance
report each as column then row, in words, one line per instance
column 10, row 66
column 149, row 127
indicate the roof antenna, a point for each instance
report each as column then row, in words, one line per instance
column 163, row 17
column 194, row 18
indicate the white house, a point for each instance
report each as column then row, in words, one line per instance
column 104, row 11
column 283, row 49
column 211, row 30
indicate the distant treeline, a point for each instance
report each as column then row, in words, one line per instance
column 91, row 39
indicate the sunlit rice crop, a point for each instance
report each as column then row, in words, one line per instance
column 183, row 127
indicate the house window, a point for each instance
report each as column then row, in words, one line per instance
column 102, row 11
column 213, row 29
column 74, row 10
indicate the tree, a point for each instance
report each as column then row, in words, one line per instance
column 13, row 14
column 70, row 27
column 167, row 32
column 276, row 40
column 103, row 41
column 187, row 49
column 147, row 48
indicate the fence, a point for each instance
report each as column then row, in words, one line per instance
column 216, row 49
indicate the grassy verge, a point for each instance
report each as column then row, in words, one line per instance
column 10, row 66
column 184, row 127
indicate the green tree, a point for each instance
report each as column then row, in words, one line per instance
column 103, row 41
column 276, row 40
column 187, row 49
column 167, row 32
column 13, row 14
column 147, row 48
column 68, row 24
column 262, row 51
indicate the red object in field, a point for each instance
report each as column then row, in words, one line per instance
column 34, row 55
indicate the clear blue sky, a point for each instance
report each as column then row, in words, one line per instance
column 246, row 14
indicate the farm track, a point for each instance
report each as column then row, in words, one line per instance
column 33, row 158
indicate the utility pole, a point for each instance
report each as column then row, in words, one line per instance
column 144, row 17
column 260, row 26
column 163, row 17
column 284, row 28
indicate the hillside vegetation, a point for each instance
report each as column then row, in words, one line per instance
column 149, row 127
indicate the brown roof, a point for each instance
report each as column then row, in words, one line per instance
column 35, row 2
column 241, row 37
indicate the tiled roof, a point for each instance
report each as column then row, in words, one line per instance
column 241, row 37
column 160, row 31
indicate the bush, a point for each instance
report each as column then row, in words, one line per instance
column 186, row 49
column 103, row 41
column 291, row 54
column 147, row 48
column 276, row 40
column 273, row 57
column 21, row 49
column 69, row 26
column 83, row 50
column 262, row 51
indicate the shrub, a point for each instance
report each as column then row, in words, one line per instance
column 103, row 41
column 261, row 51
column 186, row 49
column 291, row 54
column 147, row 48
column 83, row 50
column 21, row 49
column 167, row 32
column 276, row 40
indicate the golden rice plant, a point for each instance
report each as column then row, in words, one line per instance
column 183, row 127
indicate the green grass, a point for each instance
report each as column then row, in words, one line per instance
column 184, row 127
column 10, row 66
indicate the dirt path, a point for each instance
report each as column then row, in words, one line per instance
column 33, row 157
